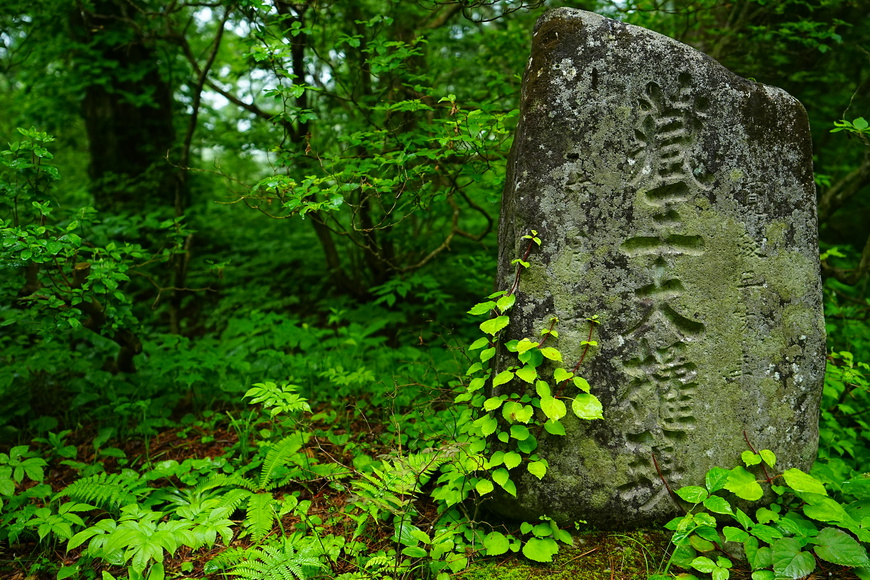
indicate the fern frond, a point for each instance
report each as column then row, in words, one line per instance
column 426, row 463
column 378, row 561
column 226, row 559
column 289, row 560
column 233, row 498
column 109, row 491
column 278, row 455
column 215, row 481
column 260, row 515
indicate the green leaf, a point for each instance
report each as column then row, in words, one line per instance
column 493, row 325
column 701, row 544
column 587, row 407
column 768, row 457
column 542, row 389
column 528, row 445
column 479, row 343
column 743, row 519
column 502, row 378
column 838, row 547
column 704, row 564
column 716, row 479
column 803, row 482
column 733, row 534
column 692, row 494
column 414, row 552
column 582, row 384
column 484, row 486
column 525, row 345
column 742, row 484
column 765, row 533
column 718, row 505
column 531, row 357
column 493, row 403
column 560, row 375
column 67, row 571
column 824, row 509
column 540, row 549
column 476, row 384
column 495, row 543
column 552, row 353
column 789, row 561
column 537, row 468
column 487, row 354
column 481, row 308
column 524, row 414
column 520, row 432
column 501, row 476
column 554, row 427
column 505, row 302
column 553, row 408
column 528, row 374
column 749, row 458
column 512, row 459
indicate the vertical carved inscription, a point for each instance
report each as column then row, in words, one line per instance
column 660, row 397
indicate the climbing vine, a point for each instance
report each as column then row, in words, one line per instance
column 511, row 400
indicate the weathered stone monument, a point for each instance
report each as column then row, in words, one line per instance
column 675, row 200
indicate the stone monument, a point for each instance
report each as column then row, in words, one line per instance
column 675, row 200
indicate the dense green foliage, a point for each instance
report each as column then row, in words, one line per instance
column 239, row 241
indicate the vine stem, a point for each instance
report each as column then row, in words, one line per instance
column 763, row 468
column 516, row 283
column 579, row 362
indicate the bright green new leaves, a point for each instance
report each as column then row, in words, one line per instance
column 502, row 378
column 540, row 549
column 718, row 505
column 554, row 428
column 505, row 302
column 520, row 432
column 538, row 468
column 514, row 411
column 525, row 345
column 484, row 486
column 718, row 569
column 553, row 408
column 743, row 484
column 528, row 373
column 493, row 325
column 496, row 544
column 581, row 384
column 692, row 494
column 502, row 477
column 587, row 407
column 481, row 308
column 551, row 353
column 512, row 459
column 803, row 482
column 493, row 403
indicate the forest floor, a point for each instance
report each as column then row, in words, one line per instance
column 595, row 555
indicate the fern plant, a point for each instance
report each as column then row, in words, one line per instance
column 294, row 556
column 109, row 491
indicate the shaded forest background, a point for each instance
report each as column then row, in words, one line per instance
column 208, row 195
